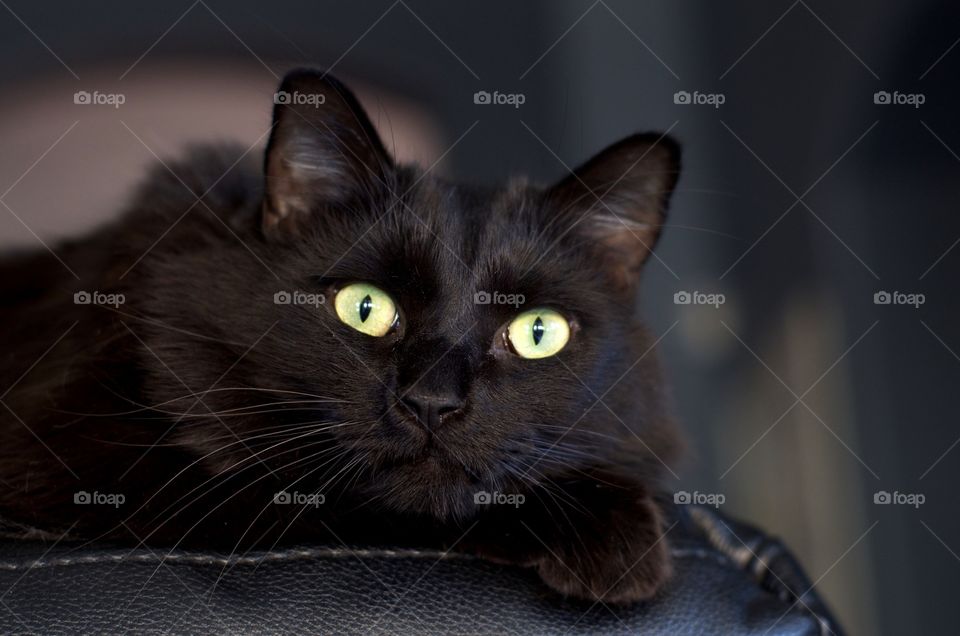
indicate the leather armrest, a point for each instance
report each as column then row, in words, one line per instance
column 730, row 579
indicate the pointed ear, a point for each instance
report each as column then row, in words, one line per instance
column 618, row 200
column 323, row 150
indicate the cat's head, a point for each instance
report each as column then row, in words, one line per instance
column 451, row 339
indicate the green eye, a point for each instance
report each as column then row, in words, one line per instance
column 366, row 308
column 538, row 333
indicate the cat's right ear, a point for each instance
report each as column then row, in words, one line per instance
column 618, row 200
column 323, row 150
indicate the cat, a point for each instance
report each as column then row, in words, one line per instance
column 336, row 347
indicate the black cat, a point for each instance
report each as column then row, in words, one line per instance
column 340, row 348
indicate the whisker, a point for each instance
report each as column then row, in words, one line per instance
column 226, row 566
column 204, row 517
column 194, row 463
column 276, row 429
column 233, row 472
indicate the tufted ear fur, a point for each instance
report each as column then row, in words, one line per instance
column 619, row 200
column 323, row 150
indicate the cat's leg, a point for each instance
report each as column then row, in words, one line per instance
column 591, row 538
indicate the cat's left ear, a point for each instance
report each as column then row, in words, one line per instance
column 619, row 199
column 323, row 150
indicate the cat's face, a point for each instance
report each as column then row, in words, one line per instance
column 465, row 335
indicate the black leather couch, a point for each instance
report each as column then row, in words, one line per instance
column 730, row 579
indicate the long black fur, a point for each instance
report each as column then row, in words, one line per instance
column 199, row 398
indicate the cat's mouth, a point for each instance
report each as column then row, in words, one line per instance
column 431, row 483
column 424, row 471
column 429, row 455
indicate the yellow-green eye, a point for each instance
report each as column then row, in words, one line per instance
column 366, row 308
column 538, row 333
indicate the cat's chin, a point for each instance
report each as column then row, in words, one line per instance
column 429, row 485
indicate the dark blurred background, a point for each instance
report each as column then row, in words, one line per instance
column 802, row 197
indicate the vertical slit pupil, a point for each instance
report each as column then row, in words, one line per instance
column 537, row 330
column 366, row 306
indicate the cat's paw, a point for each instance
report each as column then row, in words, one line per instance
column 611, row 569
column 618, row 574
column 614, row 575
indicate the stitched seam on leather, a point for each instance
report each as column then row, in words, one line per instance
column 704, row 519
column 298, row 555
column 822, row 623
column 200, row 559
column 285, row 557
column 706, row 555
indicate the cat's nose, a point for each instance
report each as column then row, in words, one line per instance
column 432, row 409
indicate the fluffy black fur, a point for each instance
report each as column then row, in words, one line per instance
column 199, row 398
